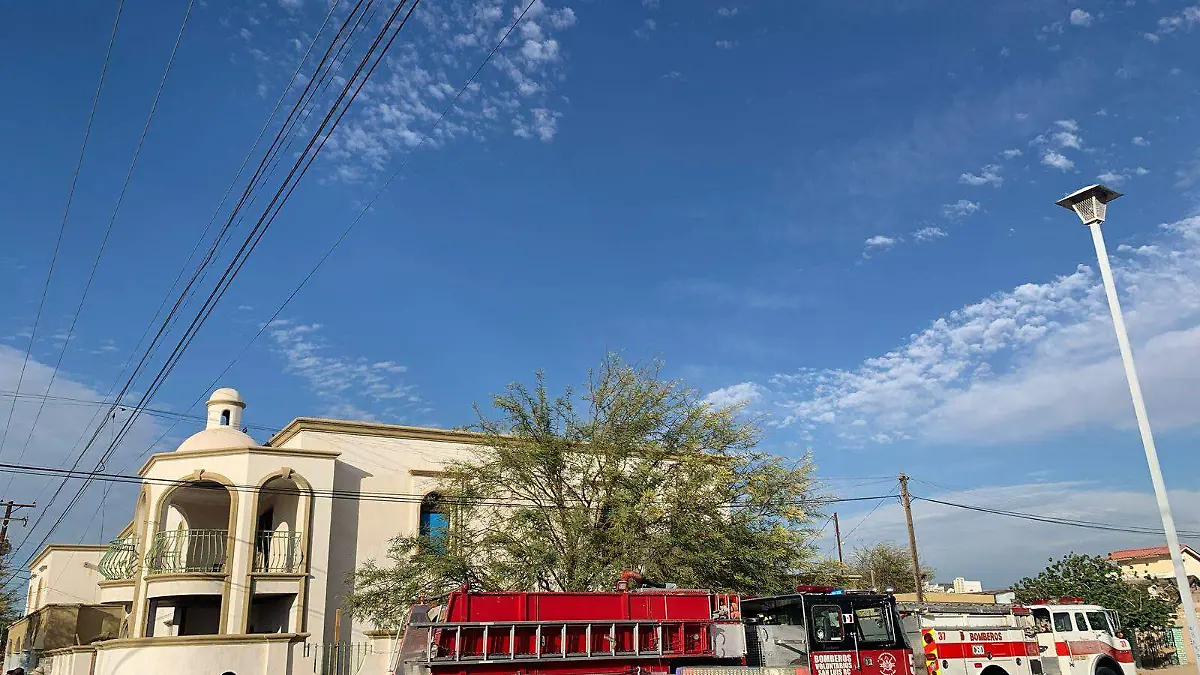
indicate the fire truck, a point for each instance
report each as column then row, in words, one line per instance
column 814, row 631
column 1075, row 638
column 969, row 638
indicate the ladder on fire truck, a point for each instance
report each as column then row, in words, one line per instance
column 517, row 641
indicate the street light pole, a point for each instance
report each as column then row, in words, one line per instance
column 1089, row 203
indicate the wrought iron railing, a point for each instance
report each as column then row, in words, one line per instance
column 278, row 552
column 182, row 551
column 338, row 659
column 120, row 561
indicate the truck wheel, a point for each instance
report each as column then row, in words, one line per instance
column 1105, row 670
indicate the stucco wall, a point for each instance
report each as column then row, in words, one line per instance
column 64, row 577
column 180, row 656
column 362, row 530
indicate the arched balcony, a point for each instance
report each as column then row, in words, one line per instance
column 278, row 537
column 193, row 530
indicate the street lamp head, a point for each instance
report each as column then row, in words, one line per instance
column 1089, row 203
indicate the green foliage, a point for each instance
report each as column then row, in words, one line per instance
column 637, row 472
column 891, row 565
column 1099, row 581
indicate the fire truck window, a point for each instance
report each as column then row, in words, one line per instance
column 1062, row 622
column 1080, row 623
column 1098, row 621
column 873, row 624
column 1041, row 619
column 827, row 623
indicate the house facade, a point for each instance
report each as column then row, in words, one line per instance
column 1155, row 563
column 237, row 554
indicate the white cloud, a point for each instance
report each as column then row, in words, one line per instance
column 1141, row 171
column 648, row 26
column 1009, row 154
column 1139, row 140
column 651, row 4
column 563, row 18
column 673, row 75
column 960, row 208
column 291, row 4
column 726, row 44
column 1080, row 18
column 1031, row 362
column 544, row 125
column 358, row 388
column 406, row 95
column 735, row 395
column 1151, row 37
column 1068, row 125
column 1057, row 160
column 988, row 175
column 1066, row 139
column 727, row 11
column 1189, row 17
column 1112, row 177
column 929, row 233
column 880, row 241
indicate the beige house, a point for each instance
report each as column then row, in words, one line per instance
column 236, row 556
column 1155, row 563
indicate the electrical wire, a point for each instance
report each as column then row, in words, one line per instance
column 162, row 84
column 1054, row 520
column 370, row 203
column 87, row 132
column 870, row 513
column 153, row 412
column 332, row 118
column 353, row 495
column 187, row 290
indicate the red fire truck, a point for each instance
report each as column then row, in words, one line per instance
column 815, row 631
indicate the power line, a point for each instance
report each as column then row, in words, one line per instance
column 870, row 513
column 304, row 161
column 212, row 219
column 186, row 292
column 87, row 132
column 1055, row 520
column 354, row 495
column 379, row 193
column 154, row 412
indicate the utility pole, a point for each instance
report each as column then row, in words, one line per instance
column 837, row 534
column 912, row 537
column 8, row 509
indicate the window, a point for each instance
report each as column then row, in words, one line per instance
column 827, row 623
column 1098, row 621
column 1080, row 623
column 435, row 522
column 1041, row 620
column 225, row 418
column 1062, row 622
column 873, row 624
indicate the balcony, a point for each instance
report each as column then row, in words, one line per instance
column 120, row 561
column 189, row 552
column 278, row 552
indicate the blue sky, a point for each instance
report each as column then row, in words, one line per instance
column 840, row 213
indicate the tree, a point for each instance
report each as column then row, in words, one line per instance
column 637, row 472
column 886, row 565
column 1099, row 581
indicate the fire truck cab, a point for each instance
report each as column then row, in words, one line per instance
column 822, row 631
column 1080, row 639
